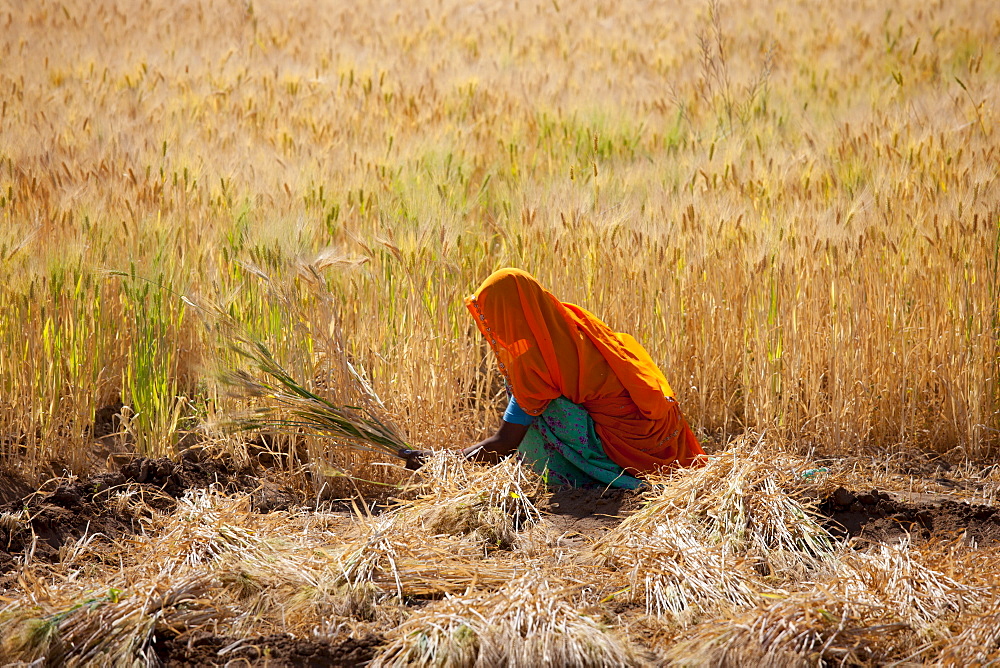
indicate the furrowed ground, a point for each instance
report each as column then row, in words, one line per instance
column 793, row 206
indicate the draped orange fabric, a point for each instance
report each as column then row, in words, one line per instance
column 547, row 348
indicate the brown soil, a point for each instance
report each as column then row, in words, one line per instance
column 588, row 513
column 878, row 517
column 274, row 651
column 108, row 420
column 62, row 511
column 12, row 487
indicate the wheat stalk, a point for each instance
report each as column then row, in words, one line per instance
column 348, row 426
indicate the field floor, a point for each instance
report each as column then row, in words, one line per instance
column 758, row 557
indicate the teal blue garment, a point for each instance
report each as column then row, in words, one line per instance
column 563, row 445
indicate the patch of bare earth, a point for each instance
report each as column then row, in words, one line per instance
column 115, row 505
column 880, row 517
column 275, row 651
column 584, row 514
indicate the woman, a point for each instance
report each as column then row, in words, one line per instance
column 588, row 406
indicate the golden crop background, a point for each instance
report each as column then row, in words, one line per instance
column 793, row 205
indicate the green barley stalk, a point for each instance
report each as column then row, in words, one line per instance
column 293, row 408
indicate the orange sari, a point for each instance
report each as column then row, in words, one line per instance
column 547, row 348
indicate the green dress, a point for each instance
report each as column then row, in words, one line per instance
column 562, row 445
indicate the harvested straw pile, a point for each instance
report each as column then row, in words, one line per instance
column 898, row 578
column 206, row 526
column 114, row 626
column 889, row 603
column 972, row 638
column 282, row 572
column 737, row 502
column 978, row 643
column 431, row 545
column 434, row 543
column 529, row 622
column 802, row 630
column 489, row 504
column 675, row 573
column 400, row 558
column 686, row 576
column 707, row 540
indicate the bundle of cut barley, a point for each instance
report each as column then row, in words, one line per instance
column 399, row 556
column 677, row 574
column 978, row 642
column 292, row 590
column 490, row 504
column 802, row 630
column 113, row 627
column 359, row 424
column 895, row 577
column 708, row 539
column 972, row 637
column 282, row 567
column 737, row 502
column 359, row 565
column 529, row 622
column 205, row 526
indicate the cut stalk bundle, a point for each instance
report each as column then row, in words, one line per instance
column 978, row 643
column 529, row 622
column 736, row 501
column 676, row 574
column 803, row 630
column 894, row 577
column 434, row 543
column 113, row 628
column 293, row 588
column 401, row 558
column 491, row 504
column 206, row 526
column 297, row 409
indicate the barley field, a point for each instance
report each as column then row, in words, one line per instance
column 794, row 206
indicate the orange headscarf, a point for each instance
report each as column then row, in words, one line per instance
column 547, row 348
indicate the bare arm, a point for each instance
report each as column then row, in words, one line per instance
column 490, row 450
column 499, row 445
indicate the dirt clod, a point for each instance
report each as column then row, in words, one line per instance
column 842, row 497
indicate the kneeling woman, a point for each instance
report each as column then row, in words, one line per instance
column 588, row 405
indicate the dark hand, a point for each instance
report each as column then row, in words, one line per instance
column 414, row 458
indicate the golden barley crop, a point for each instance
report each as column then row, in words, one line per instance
column 793, row 208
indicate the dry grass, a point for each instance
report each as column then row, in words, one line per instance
column 714, row 539
column 978, row 642
column 528, row 622
column 903, row 580
column 793, row 207
column 740, row 503
column 674, row 573
column 112, row 627
column 890, row 603
column 283, row 572
column 803, row 630
column 683, row 578
column 490, row 504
